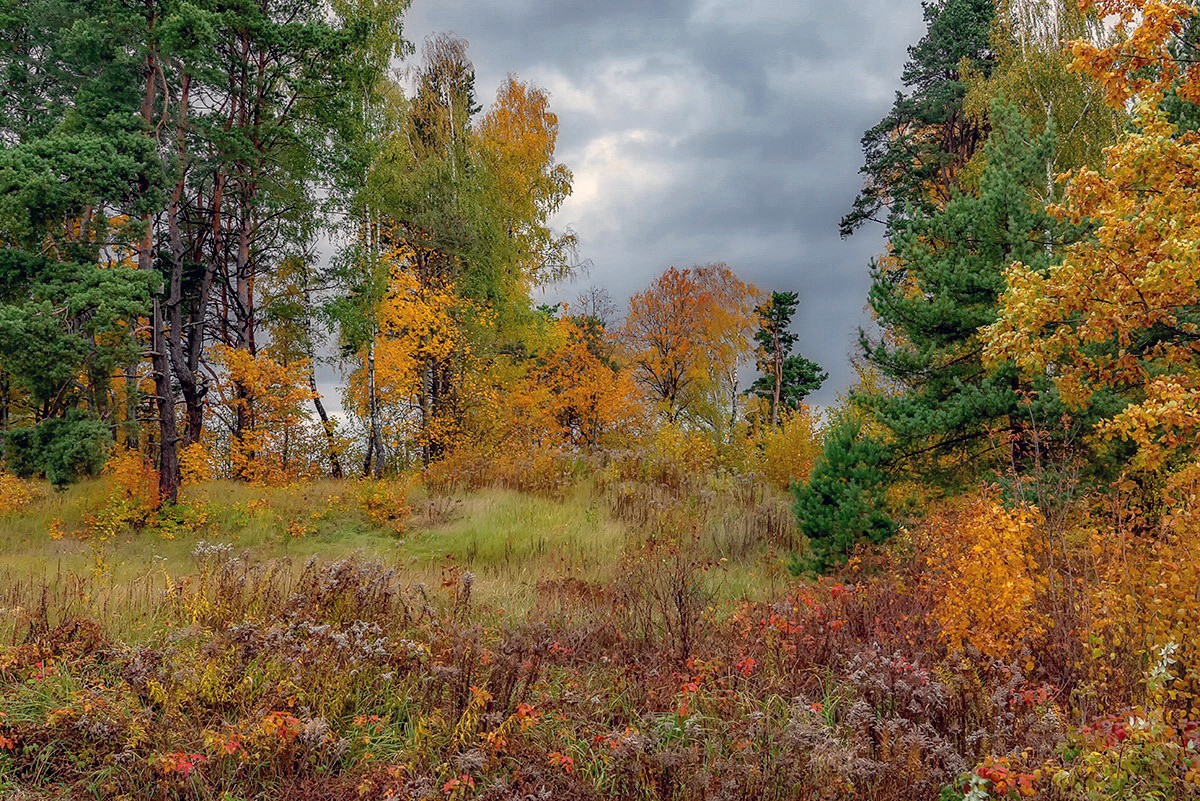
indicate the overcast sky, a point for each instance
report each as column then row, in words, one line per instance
column 706, row 130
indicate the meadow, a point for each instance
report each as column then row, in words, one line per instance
column 630, row 634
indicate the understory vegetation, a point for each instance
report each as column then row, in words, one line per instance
column 633, row 634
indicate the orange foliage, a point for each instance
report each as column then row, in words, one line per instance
column 527, row 419
column 416, row 325
column 132, row 499
column 686, row 335
column 543, row 470
column 1140, row 62
column 15, row 494
column 589, row 400
column 983, row 575
column 661, row 333
column 279, row 442
column 131, row 477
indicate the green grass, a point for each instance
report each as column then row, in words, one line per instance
column 510, row 541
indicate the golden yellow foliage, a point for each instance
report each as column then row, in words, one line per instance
column 277, row 442
column 787, row 453
column 1143, row 602
column 1117, row 313
column 420, row 331
column 196, row 464
column 983, row 575
column 674, row 448
column 525, row 419
column 1140, row 62
column 386, row 503
column 517, row 137
column 15, row 493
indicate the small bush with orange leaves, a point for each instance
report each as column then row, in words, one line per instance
column 132, row 500
column 984, row 576
column 385, row 503
column 15, row 493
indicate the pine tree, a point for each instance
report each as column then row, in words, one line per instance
column 937, row 291
column 843, row 503
column 75, row 169
column 786, row 379
column 914, row 154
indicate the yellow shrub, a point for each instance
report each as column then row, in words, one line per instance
column 196, row 464
column 787, row 453
column 1143, row 604
column 15, row 494
column 984, row 577
column 677, row 455
column 385, row 504
column 545, row 469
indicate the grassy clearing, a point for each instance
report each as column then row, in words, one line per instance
column 626, row 639
column 511, row 542
column 255, row 521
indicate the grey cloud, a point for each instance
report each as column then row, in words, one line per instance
column 707, row 130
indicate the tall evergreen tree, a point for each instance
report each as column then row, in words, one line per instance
column 76, row 168
column 914, row 154
column 937, row 290
column 246, row 103
column 785, row 379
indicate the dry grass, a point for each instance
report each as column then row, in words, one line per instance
column 620, row 640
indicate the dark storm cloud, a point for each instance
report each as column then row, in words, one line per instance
column 707, row 130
